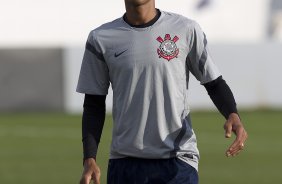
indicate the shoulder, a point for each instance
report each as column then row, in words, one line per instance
column 180, row 19
column 106, row 28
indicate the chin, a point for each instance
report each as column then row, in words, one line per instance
column 137, row 2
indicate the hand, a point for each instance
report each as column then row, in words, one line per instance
column 91, row 172
column 234, row 124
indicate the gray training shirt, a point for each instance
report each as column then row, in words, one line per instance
column 148, row 69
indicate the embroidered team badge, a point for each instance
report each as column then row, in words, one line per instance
column 168, row 48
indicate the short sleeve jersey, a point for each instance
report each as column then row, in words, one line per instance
column 148, row 69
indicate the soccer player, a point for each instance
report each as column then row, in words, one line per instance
column 147, row 56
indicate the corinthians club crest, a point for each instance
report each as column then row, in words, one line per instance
column 168, row 48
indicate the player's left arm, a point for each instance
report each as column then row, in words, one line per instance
column 200, row 64
column 222, row 97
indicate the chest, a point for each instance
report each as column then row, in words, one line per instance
column 163, row 50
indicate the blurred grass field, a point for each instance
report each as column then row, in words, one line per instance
column 46, row 149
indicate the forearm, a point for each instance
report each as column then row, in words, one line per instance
column 92, row 124
column 222, row 96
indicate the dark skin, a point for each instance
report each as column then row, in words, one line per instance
column 234, row 124
column 140, row 12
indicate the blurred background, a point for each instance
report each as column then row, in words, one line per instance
column 41, row 48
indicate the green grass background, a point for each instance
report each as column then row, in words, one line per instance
column 46, row 149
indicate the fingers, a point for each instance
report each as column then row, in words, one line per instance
column 91, row 172
column 234, row 124
column 96, row 178
column 87, row 179
column 239, row 143
column 96, row 182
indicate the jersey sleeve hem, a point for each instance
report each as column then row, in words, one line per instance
column 214, row 77
column 91, row 91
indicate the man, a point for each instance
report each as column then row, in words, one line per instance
column 147, row 56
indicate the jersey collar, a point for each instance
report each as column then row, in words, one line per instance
column 148, row 24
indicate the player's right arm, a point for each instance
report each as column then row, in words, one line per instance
column 92, row 125
column 94, row 83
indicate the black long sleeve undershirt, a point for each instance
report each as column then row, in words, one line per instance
column 92, row 124
column 222, row 96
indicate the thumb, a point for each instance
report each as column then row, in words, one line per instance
column 88, row 180
column 85, row 180
column 228, row 129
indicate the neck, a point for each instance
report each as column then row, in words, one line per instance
column 141, row 14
